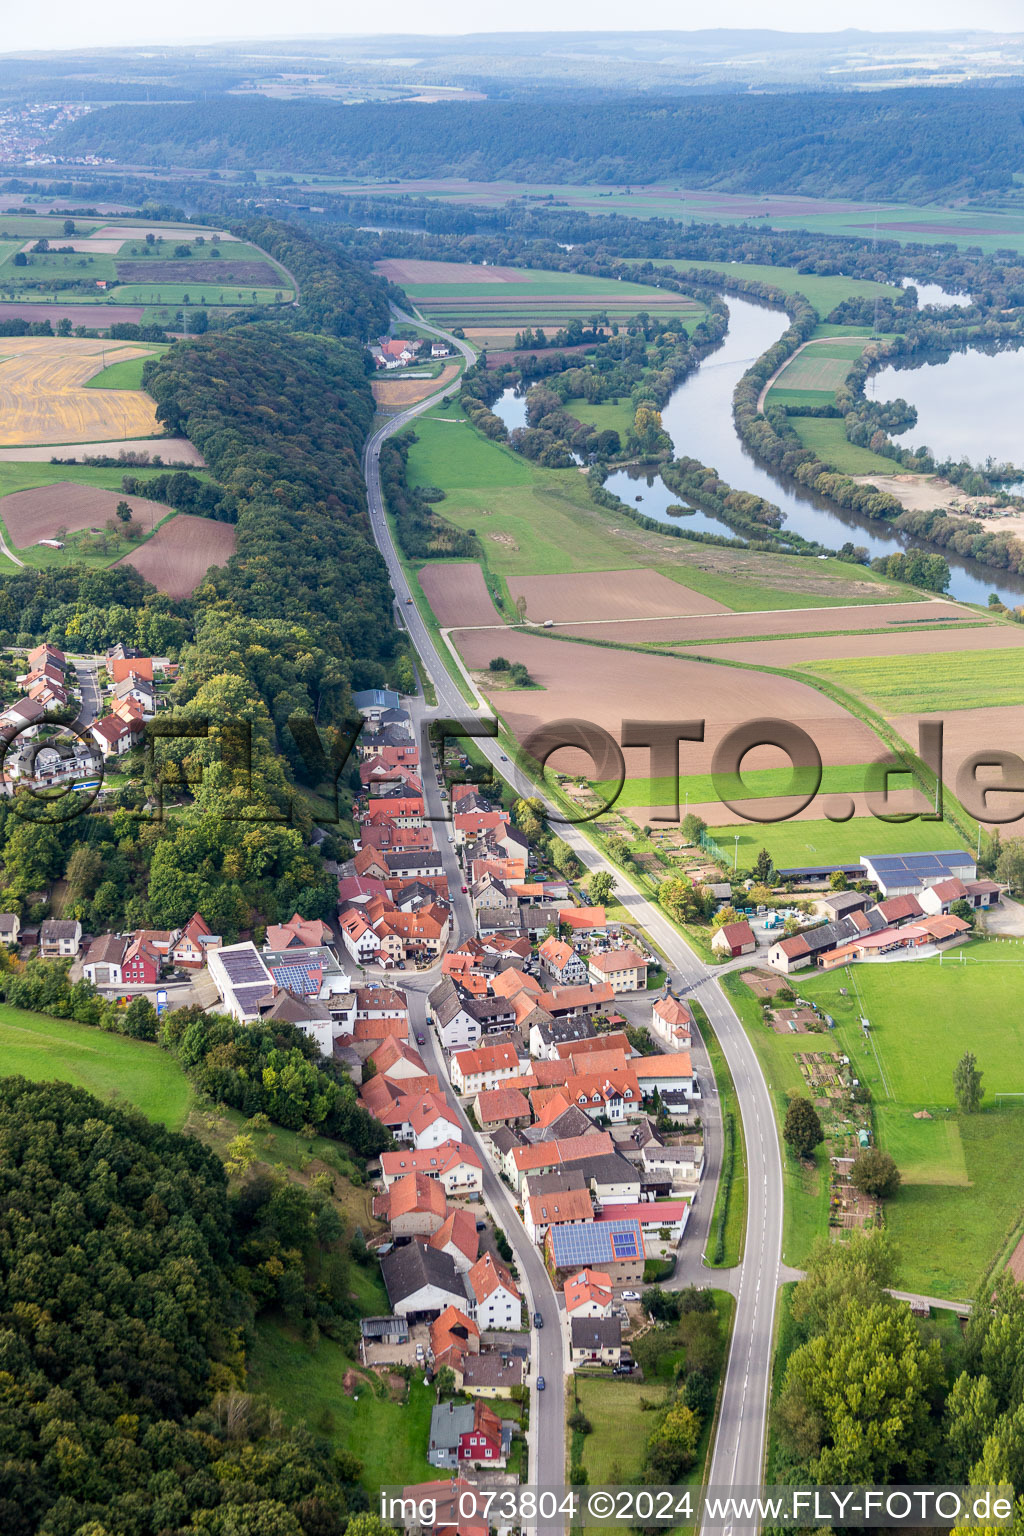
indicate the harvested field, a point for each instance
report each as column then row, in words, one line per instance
column 395, row 392
column 901, row 618
column 97, row 317
column 43, row 398
column 172, row 450
column 806, row 653
column 608, row 595
column 124, row 232
column 37, row 514
column 180, row 553
column 399, row 271
column 91, row 246
column 607, row 686
column 811, row 370
column 253, row 274
column 458, row 594
column 967, row 731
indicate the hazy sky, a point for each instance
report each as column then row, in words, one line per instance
column 64, row 24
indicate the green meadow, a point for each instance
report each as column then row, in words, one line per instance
column 932, row 681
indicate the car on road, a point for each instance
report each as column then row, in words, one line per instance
column 421, row 1039
column 541, row 1383
column 465, row 888
column 631, row 1296
column 504, row 758
column 409, row 601
column 538, row 1321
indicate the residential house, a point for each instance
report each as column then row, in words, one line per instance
column 734, row 939
column 467, row 1435
column 584, row 920
column 562, row 964
column 359, row 939
column 611, row 1177
column 458, row 1237
column 501, row 1106
column 59, row 938
column 662, row 1222
column 430, row 1120
column 421, row 1281
column 519, row 1162
column 617, row 1248
column 664, row 1073
column 413, row 1206
column 623, row 969
column 595, row 1341
column 588, row 1294
column 10, row 927
column 112, row 735
column 455, row 1165
column 454, row 1337
column 543, row 1211
column 545, row 1039
column 485, row 1067
column 298, row 933
column 614, row 1096
column 680, row 1165
column 141, row 964
column 194, row 944
column 494, row 1301
column 672, row 1022
column 494, row 1374
column 449, row 1010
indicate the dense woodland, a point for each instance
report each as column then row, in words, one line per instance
column 129, row 1285
column 900, row 144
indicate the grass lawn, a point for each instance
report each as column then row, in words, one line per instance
column 825, row 436
column 777, row 396
column 388, row 1436
column 736, row 1216
column 26, row 476
column 756, row 584
column 793, row 843
column 603, row 414
column 805, row 1189
column 961, row 1199
column 823, row 292
column 112, row 1067
column 899, row 685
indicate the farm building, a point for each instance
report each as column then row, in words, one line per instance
column 616, row 1247
column 734, row 939
column 898, row 874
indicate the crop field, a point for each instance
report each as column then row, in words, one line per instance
column 827, row 438
column 805, row 655
column 960, row 1198
column 43, row 398
column 797, row 842
column 457, row 594
column 822, row 365
column 110, row 1066
column 79, row 312
column 40, row 513
column 170, row 450
column 990, row 229
column 967, row 731
column 823, row 292
column 699, row 788
column 181, row 552
column 932, row 681
column 608, row 595
column 606, row 686
column 391, row 393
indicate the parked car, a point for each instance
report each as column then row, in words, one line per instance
column 421, row 1039
column 541, row 1383
column 538, row 1321
column 465, row 888
column 624, row 1368
column 631, row 1296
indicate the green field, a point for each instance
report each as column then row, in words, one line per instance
column 961, row 1199
column 819, row 367
column 604, row 414
column 795, row 843
column 76, row 265
column 699, row 788
column 823, row 292
column 532, row 520
column 389, row 1437
column 213, row 293
column 826, row 437
column 110, row 1066
column 899, row 685
column 124, row 375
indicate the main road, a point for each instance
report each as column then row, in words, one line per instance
column 738, row 1455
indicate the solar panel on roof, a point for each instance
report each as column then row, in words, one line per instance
column 297, row 978
column 243, row 966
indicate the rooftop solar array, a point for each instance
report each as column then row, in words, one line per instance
column 593, row 1243
column 917, row 867
column 251, row 996
column 304, row 979
column 243, row 965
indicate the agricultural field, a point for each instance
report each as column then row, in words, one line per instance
column 112, row 1067
column 990, row 229
column 825, row 293
column 960, row 1202
column 181, row 552
column 44, row 399
column 492, row 303
column 457, row 593
column 935, row 680
column 65, row 509
column 817, row 368
column 395, row 393
column 826, row 437
column 607, row 595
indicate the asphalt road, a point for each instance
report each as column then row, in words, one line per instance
column 738, row 1455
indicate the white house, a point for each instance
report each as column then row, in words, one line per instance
column 494, row 1301
column 485, row 1067
column 421, row 1281
column 359, row 938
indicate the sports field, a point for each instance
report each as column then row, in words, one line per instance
column 110, row 1066
column 936, row 680
column 961, row 1197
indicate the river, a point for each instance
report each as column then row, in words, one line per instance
column 698, row 418
column 967, row 403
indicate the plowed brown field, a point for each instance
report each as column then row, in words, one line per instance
column 43, row 398
column 804, row 653
column 606, row 686
column 392, row 392
column 458, row 594
column 901, row 619
column 607, row 595
column 37, row 514
column 400, row 271
column 180, row 553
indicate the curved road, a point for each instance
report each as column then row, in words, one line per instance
column 738, row 1455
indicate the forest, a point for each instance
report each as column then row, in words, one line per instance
column 903, row 144
column 130, row 1284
